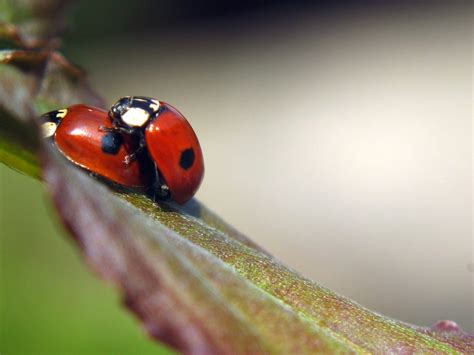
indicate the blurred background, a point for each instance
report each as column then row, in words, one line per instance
column 336, row 135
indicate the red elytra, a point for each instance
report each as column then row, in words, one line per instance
column 76, row 133
column 174, row 147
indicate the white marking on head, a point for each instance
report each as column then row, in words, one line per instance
column 61, row 113
column 155, row 105
column 135, row 117
column 48, row 129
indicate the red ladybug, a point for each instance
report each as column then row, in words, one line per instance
column 76, row 133
column 168, row 138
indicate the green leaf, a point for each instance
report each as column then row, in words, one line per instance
column 234, row 297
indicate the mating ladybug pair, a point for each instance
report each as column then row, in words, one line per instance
column 140, row 143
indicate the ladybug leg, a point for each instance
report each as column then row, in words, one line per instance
column 162, row 192
column 159, row 191
column 133, row 156
column 117, row 129
column 107, row 129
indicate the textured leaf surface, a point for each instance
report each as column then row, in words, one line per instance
column 195, row 282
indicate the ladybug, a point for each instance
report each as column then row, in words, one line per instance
column 168, row 138
column 76, row 132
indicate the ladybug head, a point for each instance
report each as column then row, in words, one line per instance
column 134, row 111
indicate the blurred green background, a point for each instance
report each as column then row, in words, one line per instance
column 50, row 302
column 349, row 127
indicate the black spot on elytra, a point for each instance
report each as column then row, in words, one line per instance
column 111, row 143
column 187, row 158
